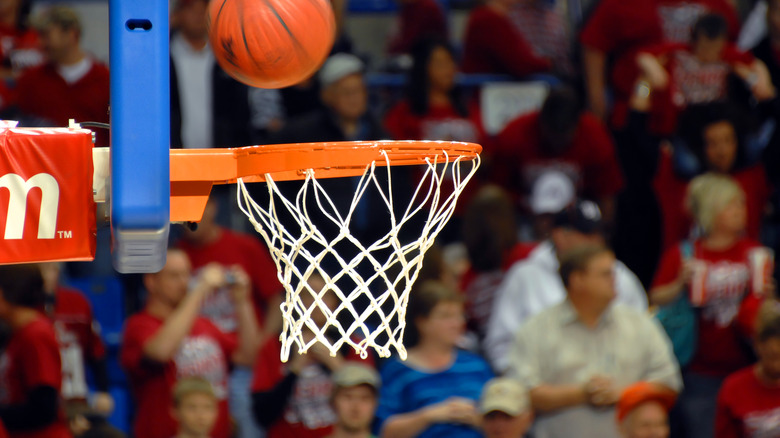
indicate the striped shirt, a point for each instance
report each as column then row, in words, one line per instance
column 406, row 389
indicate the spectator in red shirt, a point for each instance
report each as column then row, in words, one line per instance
column 749, row 401
column 717, row 279
column 195, row 407
column 698, row 72
column 433, row 108
column 30, row 369
column 715, row 134
column 78, row 335
column 618, row 29
column 211, row 243
column 293, row 399
column 418, row 20
column 561, row 137
column 712, row 138
column 168, row 340
column 493, row 45
column 20, row 48
column 543, row 24
column 70, row 85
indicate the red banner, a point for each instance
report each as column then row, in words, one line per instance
column 47, row 210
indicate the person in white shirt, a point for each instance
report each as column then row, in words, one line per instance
column 208, row 107
column 533, row 284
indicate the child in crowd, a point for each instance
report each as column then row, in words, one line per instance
column 195, row 407
column 354, row 400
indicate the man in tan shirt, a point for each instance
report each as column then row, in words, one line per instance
column 578, row 355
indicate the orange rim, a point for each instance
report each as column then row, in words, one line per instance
column 195, row 171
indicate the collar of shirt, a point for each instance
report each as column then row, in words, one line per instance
column 568, row 315
column 73, row 73
column 180, row 47
column 544, row 255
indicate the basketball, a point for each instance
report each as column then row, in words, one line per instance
column 271, row 43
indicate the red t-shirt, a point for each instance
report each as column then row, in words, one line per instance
column 729, row 308
column 32, row 359
column 42, row 92
column 418, row 20
column 747, row 407
column 229, row 249
column 78, row 338
column 205, row 352
column 493, row 45
column 590, row 161
column 690, row 82
column 19, row 51
column 441, row 122
column 19, row 48
column 308, row 413
column 621, row 28
column 670, row 190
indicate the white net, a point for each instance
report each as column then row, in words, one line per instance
column 342, row 290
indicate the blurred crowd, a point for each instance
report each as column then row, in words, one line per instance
column 609, row 272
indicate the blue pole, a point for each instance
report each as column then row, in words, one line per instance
column 140, row 133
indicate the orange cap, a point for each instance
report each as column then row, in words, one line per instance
column 641, row 392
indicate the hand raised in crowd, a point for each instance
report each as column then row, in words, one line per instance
column 103, row 403
column 321, row 354
column 237, row 280
column 298, row 362
column 454, row 410
column 653, row 70
column 210, row 277
column 758, row 79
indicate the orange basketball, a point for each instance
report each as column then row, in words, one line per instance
column 271, row 43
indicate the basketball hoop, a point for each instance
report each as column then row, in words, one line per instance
column 370, row 275
column 299, row 251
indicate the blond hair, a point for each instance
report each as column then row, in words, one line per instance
column 708, row 195
column 191, row 385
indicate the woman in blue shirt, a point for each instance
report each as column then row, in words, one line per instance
column 434, row 392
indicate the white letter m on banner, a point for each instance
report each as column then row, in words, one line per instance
column 17, row 204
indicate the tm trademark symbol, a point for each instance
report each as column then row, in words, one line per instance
column 65, row 234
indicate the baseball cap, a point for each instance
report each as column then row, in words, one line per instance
column 552, row 192
column 61, row 16
column 356, row 374
column 505, row 395
column 582, row 215
column 642, row 392
column 338, row 67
